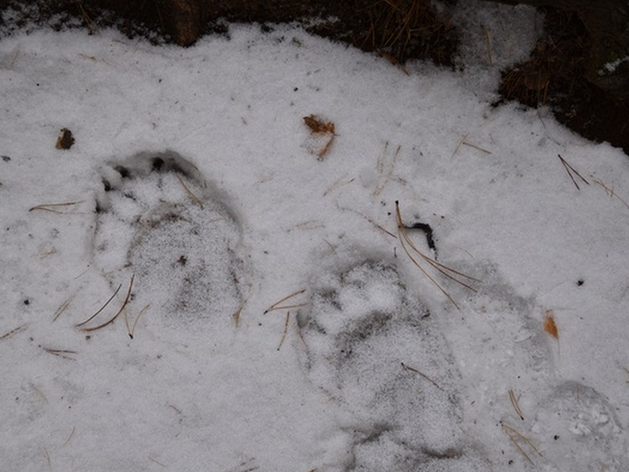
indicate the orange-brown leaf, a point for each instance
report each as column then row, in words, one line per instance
column 318, row 125
column 549, row 324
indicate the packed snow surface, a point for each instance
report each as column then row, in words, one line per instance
column 207, row 281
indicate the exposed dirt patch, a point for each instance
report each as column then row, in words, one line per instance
column 556, row 76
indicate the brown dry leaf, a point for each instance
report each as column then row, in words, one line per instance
column 65, row 139
column 549, row 324
column 322, row 133
column 319, row 125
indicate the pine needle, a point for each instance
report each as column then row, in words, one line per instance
column 422, row 374
column 13, row 332
column 189, row 192
column 515, row 436
column 131, row 331
column 124, row 304
column 452, row 274
column 62, row 308
column 101, row 308
column 63, row 353
column 276, row 305
column 611, row 192
column 285, row 330
column 516, row 405
column 53, row 207
column 570, row 170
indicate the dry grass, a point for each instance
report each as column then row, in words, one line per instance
column 413, row 254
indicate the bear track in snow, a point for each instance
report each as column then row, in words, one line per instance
column 160, row 222
column 377, row 353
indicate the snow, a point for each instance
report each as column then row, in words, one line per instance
column 277, row 323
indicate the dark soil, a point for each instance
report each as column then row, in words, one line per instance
column 556, row 76
column 398, row 30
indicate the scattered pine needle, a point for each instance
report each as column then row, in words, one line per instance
column 276, row 306
column 570, row 170
column 488, row 44
column 62, row 308
column 13, row 332
column 47, row 456
column 54, row 207
column 406, row 367
column 611, row 192
column 450, row 273
column 63, row 353
column 385, row 177
column 285, row 331
column 113, row 318
column 101, row 308
column 516, row 436
column 189, row 192
column 463, row 141
column 516, row 405
column 69, row 437
column 156, row 462
column 131, row 331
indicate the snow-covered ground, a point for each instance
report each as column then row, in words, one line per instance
column 273, row 309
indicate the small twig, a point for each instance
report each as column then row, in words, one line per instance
column 516, row 405
column 569, row 170
column 189, row 192
column 276, row 306
column 285, row 330
column 422, row 374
